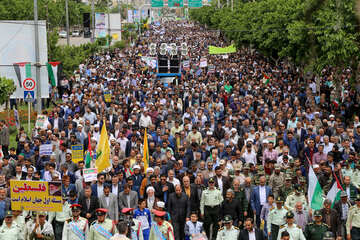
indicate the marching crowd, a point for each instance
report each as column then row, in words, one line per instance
column 229, row 153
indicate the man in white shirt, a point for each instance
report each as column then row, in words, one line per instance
column 171, row 178
column 145, row 120
column 327, row 145
column 249, row 155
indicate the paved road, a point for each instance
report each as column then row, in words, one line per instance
column 76, row 41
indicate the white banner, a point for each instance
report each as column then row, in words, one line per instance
column 130, row 16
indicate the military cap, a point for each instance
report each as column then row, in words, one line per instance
column 211, row 179
column 279, row 200
column 343, row 194
column 42, row 214
column 231, row 173
column 302, row 179
column 227, row 219
column 291, row 160
column 64, row 196
column 317, row 213
column 297, row 187
column 8, row 213
column 328, row 235
column 101, row 211
column 277, row 166
column 75, row 206
column 246, row 166
column 237, row 167
column 289, row 215
column 346, row 162
column 287, row 177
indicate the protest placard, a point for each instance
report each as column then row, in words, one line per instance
column 36, row 196
column 45, row 149
column 90, row 174
column 40, row 121
column 77, row 153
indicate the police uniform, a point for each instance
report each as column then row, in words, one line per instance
column 60, row 218
column 10, row 233
column 295, row 232
column 276, row 218
column 102, row 230
column 224, row 233
column 315, row 231
column 354, row 221
column 293, row 198
column 355, row 177
column 75, row 228
column 136, row 226
column 161, row 230
column 210, row 207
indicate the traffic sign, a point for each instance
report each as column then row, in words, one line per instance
column 157, row 3
column 195, row 3
column 29, row 96
column 29, row 84
column 175, row 3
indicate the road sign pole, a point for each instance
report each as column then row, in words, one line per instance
column 29, row 119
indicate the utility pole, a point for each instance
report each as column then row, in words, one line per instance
column 92, row 21
column 67, row 23
column 127, row 11
column 37, row 59
column 48, row 27
column 219, row 4
column 109, row 4
column 232, row 5
column 120, row 19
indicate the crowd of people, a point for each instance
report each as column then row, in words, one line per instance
column 229, row 153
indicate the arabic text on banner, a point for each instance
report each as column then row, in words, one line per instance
column 107, row 96
column 77, row 153
column 36, row 196
column 90, row 174
column 45, row 149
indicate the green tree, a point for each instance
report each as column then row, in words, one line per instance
column 7, row 87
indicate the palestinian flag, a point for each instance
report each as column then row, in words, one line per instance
column 23, row 71
column 55, row 72
column 88, row 157
column 334, row 192
column 336, row 103
column 266, row 79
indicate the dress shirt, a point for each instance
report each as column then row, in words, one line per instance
column 301, row 219
column 100, row 190
column 220, row 183
column 115, row 189
column 345, row 210
column 262, row 193
column 252, row 235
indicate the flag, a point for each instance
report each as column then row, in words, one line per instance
column 88, row 157
column 103, row 151
column 334, row 193
column 314, row 191
column 220, row 50
column 266, row 79
column 336, row 103
column 54, row 71
column 23, row 71
column 146, row 152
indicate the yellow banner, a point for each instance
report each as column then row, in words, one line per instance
column 36, row 196
column 107, row 96
column 77, row 153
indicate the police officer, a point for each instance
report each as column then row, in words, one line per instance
column 102, row 228
column 296, row 233
column 285, row 189
column 136, row 229
column 9, row 230
column 229, row 231
column 276, row 218
column 354, row 221
column 296, row 196
column 315, row 230
column 355, row 176
column 60, row 217
column 211, row 199
column 276, row 179
column 75, row 227
column 161, row 229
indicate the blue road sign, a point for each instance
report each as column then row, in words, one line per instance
column 29, row 96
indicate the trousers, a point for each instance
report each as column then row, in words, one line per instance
column 211, row 216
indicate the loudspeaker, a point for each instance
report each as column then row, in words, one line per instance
column 163, row 65
column 174, row 66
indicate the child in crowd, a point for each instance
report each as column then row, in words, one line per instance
column 193, row 227
column 144, row 216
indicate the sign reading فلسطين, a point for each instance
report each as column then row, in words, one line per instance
column 36, row 196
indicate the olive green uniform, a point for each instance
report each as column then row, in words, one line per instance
column 210, row 207
column 353, row 221
column 276, row 181
column 314, row 231
column 240, row 196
